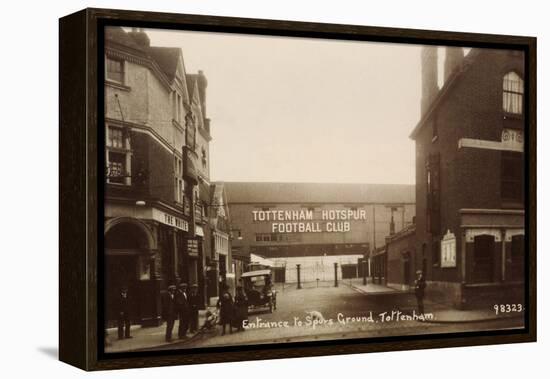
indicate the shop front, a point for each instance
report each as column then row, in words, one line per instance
column 130, row 253
column 493, row 252
column 144, row 253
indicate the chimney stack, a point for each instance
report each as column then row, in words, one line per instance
column 202, row 82
column 428, row 58
column 453, row 58
column 140, row 37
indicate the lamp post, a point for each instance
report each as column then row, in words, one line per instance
column 365, row 270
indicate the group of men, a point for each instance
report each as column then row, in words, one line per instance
column 182, row 306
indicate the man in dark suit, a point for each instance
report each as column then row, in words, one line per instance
column 419, row 287
column 123, row 321
column 194, row 305
column 170, row 311
column 182, row 302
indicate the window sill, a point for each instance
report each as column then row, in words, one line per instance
column 117, row 85
column 119, row 184
column 512, row 116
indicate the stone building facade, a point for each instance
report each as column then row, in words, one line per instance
column 157, row 179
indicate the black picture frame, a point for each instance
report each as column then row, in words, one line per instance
column 81, row 187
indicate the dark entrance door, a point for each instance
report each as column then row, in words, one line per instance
column 120, row 271
column 515, row 260
column 126, row 247
column 279, row 274
column 484, row 251
column 407, row 272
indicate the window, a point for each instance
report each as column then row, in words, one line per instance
column 115, row 138
column 118, row 156
column 190, row 131
column 115, row 70
column 512, row 178
column 117, row 167
column 269, row 237
column 435, row 124
column 512, row 94
column 203, row 157
column 179, row 184
column 432, row 194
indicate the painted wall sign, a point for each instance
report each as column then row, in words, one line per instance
column 303, row 221
column 168, row 219
column 512, row 139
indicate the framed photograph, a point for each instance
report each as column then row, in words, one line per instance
column 241, row 189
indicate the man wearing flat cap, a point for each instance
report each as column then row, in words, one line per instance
column 170, row 311
column 182, row 302
column 419, row 287
column 123, row 321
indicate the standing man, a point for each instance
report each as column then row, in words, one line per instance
column 419, row 287
column 225, row 305
column 182, row 302
column 170, row 311
column 123, row 321
column 194, row 304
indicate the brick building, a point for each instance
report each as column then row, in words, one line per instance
column 469, row 176
column 315, row 225
column 400, row 253
column 157, row 191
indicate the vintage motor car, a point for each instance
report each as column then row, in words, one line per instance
column 259, row 290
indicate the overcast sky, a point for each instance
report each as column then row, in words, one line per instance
column 305, row 110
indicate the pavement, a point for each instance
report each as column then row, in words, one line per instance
column 350, row 310
column 442, row 312
column 149, row 337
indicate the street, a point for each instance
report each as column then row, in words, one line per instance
column 347, row 313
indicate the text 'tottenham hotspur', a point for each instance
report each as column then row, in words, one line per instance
column 334, row 220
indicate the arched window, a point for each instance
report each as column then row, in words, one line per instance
column 512, row 93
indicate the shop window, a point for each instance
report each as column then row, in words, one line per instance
column 144, row 268
column 512, row 177
column 512, row 93
column 483, row 259
column 115, row 70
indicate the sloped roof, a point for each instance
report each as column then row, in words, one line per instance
column 167, row 59
column 118, row 35
column 305, row 193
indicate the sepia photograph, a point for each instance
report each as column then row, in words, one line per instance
column 267, row 189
